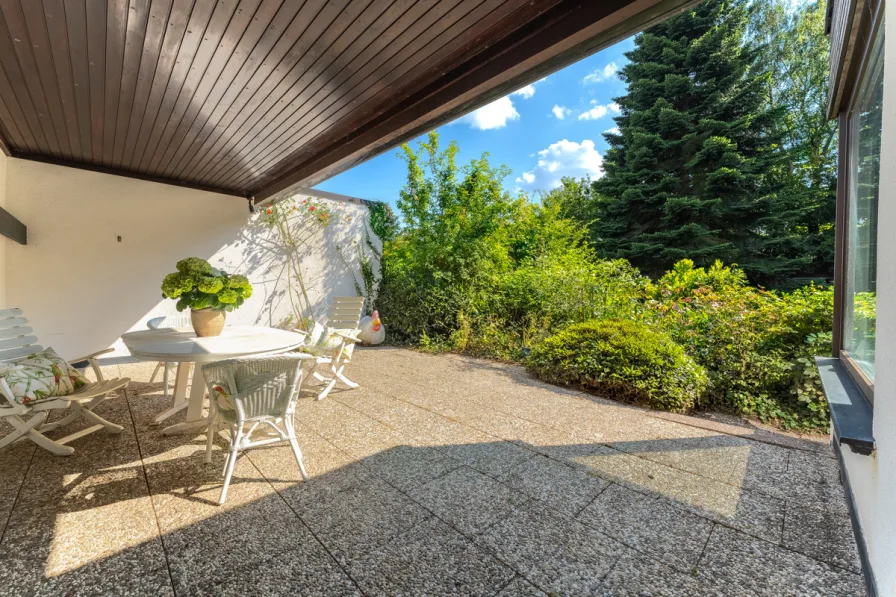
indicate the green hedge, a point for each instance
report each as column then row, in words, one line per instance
column 624, row 360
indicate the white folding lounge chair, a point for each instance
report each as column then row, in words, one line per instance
column 16, row 341
column 248, row 391
column 344, row 319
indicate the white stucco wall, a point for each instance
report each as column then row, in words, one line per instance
column 82, row 289
column 873, row 478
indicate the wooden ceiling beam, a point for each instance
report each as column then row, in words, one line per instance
column 566, row 32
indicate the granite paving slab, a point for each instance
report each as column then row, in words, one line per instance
column 560, row 486
column 822, row 534
column 649, row 524
column 556, row 553
column 430, row 559
column 636, row 574
column 734, row 563
column 468, row 500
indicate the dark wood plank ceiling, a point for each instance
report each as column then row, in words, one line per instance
column 255, row 97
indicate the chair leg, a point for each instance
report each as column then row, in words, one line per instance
column 152, row 377
column 210, row 433
column 330, row 385
column 296, row 450
column 341, row 376
column 84, row 410
column 236, row 438
column 165, row 377
column 26, row 429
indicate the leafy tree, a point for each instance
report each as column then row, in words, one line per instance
column 794, row 51
column 695, row 171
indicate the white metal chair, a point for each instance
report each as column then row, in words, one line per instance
column 16, row 341
column 251, row 391
column 343, row 319
column 167, row 321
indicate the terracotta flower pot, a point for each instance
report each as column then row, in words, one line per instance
column 208, row 322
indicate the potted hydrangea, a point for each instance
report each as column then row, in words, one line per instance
column 209, row 293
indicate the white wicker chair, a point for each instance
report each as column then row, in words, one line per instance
column 16, row 341
column 261, row 390
column 167, row 321
column 344, row 318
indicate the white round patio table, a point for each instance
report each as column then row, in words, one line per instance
column 182, row 346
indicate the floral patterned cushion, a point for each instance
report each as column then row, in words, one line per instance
column 41, row 376
column 323, row 342
column 222, row 397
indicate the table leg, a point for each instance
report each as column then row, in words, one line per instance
column 180, row 393
column 194, row 404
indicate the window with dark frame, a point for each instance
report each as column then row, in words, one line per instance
column 863, row 174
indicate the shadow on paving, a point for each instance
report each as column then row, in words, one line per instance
column 137, row 514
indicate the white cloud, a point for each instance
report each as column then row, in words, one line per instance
column 601, row 74
column 614, row 107
column 563, row 158
column 613, row 131
column 561, row 112
column 493, row 116
column 526, row 92
column 594, row 113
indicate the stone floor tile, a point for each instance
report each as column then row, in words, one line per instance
column 352, row 510
column 14, row 462
column 430, row 559
column 558, row 485
column 520, row 587
column 734, row 563
column 205, row 551
column 813, row 468
column 719, row 457
column 821, row 534
column 649, row 524
column 487, row 454
column 754, row 513
column 556, row 553
column 306, row 571
column 468, row 499
column 635, row 574
column 407, row 467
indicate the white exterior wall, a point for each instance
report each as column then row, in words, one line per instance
column 82, row 289
column 873, row 478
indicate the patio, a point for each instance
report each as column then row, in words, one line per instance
column 442, row 475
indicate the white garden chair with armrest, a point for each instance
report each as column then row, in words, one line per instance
column 260, row 390
column 167, row 321
column 16, row 341
column 344, row 319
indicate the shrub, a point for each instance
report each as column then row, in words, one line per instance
column 624, row 360
column 757, row 346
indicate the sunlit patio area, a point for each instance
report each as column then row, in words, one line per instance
column 441, row 475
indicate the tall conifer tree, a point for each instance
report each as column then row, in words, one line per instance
column 695, row 170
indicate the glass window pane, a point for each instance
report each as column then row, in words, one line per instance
column 864, row 175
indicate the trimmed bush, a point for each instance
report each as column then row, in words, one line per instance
column 623, row 360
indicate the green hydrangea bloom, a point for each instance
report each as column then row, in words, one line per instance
column 237, row 282
column 194, row 266
column 227, row 296
column 247, row 291
column 176, row 284
column 210, row 285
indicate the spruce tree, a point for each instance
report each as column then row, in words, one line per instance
column 695, row 169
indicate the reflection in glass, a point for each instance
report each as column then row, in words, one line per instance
column 864, row 176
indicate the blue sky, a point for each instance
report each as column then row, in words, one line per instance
column 542, row 132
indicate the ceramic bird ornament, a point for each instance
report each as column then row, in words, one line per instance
column 372, row 330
